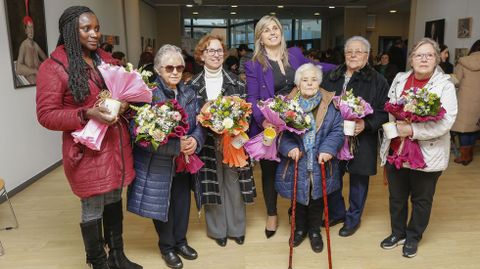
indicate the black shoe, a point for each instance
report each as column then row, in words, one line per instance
column 269, row 233
column 332, row 223
column 410, row 249
column 348, row 231
column 221, row 241
column 187, row 252
column 239, row 240
column 298, row 237
column 172, row 260
column 316, row 241
column 392, row 242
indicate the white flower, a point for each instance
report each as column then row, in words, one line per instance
column 307, row 119
column 227, row 123
column 129, row 67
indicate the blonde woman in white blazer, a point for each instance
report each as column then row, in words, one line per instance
column 434, row 141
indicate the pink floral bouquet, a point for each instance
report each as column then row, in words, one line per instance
column 283, row 114
column 154, row 125
column 351, row 108
column 415, row 105
column 124, row 84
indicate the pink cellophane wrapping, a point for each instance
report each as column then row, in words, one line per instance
column 410, row 149
column 348, row 114
column 255, row 147
column 124, row 86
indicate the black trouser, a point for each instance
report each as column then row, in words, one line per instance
column 173, row 233
column 269, row 169
column 309, row 217
column 420, row 186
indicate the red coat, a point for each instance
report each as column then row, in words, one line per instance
column 89, row 172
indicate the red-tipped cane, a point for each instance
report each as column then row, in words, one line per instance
column 325, row 209
column 294, row 203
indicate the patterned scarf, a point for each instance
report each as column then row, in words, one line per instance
column 308, row 105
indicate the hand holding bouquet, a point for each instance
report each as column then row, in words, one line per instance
column 228, row 116
column 282, row 114
column 351, row 108
column 415, row 105
column 124, row 84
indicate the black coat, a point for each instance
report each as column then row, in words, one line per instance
column 373, row 88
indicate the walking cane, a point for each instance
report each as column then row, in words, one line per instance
column 293, row 205
column 325, row 209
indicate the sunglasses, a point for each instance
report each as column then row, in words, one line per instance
column 169, row 68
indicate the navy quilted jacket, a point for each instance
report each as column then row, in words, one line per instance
column 149, row 194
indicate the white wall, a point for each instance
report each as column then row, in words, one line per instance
column 27, row 148
column 148, row 23
column 451, row 11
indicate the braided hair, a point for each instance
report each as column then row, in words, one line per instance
column 77, row 68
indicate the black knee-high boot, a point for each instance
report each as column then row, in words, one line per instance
column 94, row 245
column 113, row 229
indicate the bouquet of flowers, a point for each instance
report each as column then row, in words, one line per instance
column 154, row 125
column 351, row 108
column 228, row 116
column 283, row 114
column 124, row 84
column 415, row 105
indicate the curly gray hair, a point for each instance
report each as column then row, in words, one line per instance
column 165, row 51
column 360, row 39
column 306, row 67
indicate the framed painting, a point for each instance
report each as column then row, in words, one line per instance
column 464, row 28
column 435, row 30
column 27, row 37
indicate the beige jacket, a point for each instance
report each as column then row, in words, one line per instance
column 433, row 137
column 467, row 74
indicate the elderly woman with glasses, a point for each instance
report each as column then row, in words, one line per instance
column 270, row 72
column 367, row 83
column 225, row 190
column 318, row 145
column 158, row 192
column 434, row 140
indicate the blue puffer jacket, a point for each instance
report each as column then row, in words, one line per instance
column 149, row 194
column 329, row 139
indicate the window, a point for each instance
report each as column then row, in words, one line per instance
column 308, row 29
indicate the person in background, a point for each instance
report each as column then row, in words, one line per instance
column 120, row 56
column 397, row 56
column 467, row 77
column 245, row 54
column 355, row 74
column 158, row 192
column 232, row 62
column 434, row 140
column 67, row 88
column 445, row 64
column 225, row 213
column 146, row 63
column 149, row 49
column 319, row 144
column 388, row 70
column 107, row 47
column 270, row 73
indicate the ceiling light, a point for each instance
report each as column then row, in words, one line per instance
column 316, row 13
column 273, row 13
column 280, row 6
column 393, row 11
column 189, row 5
column 331, row 7
column 233, row 13
column 195, row 13
column 234, row 6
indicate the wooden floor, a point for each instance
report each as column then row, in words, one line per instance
column 49, row 234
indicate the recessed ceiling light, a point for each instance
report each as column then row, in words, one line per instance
column 273, row 13
column 233, row 13
column 195, row 13
column 234, row 6
column 280, row 6
column 331, row 7
column 189, row 5
column 393, row 11
column 316, row 13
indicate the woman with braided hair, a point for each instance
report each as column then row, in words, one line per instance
column 68, row 84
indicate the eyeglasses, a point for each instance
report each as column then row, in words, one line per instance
column 169, row 68
column 420, row 56
column 354, row 52
column 212, row 52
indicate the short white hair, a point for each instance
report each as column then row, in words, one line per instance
column 360, row 39
column 306, row 67
column 167, row 50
